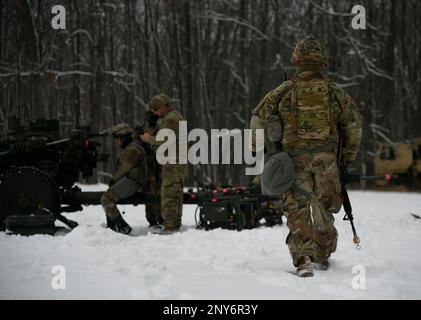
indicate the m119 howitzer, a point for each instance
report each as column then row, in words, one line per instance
column 37, row 169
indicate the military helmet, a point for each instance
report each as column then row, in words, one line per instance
column 122, row 129
column 278, row 175
column 310, row 51
column 157, row 101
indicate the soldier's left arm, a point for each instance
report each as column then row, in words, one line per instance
column 350, row 126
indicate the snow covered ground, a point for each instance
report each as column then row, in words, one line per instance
column 219, row 264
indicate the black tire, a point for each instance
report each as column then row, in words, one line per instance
column 27, row 191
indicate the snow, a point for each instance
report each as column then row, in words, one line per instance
column 194, row 264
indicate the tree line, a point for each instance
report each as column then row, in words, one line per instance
column 215, row 58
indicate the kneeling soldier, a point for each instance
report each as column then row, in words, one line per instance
column 129, row 179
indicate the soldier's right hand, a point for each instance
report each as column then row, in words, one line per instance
column 146, row 137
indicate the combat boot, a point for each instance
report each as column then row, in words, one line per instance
column 321, row 266
column 166, row 230
column 119, row 225
column 156, row 229
column 305, row 268
column 158, row 224
column 171, row 228
column 110, row 223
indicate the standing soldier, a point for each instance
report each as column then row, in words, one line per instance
column 172, row 174
column 129, row 179
column 314, row 120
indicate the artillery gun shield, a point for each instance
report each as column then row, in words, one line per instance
column 28, row 193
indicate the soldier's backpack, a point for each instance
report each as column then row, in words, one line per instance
column 306, row 114
column 311, row 102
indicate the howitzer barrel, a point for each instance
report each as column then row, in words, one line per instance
column 28, row 146
column 94, row 199
column 54, row 143
column 78, row 198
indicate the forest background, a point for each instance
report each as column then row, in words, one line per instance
column 215, row 58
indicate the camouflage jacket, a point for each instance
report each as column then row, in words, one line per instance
column 170, row 121
column 132, row 164
column 340, row 122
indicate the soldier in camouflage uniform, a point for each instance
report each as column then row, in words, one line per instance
column 314, row 120
column 129, row 179
column 173, row 175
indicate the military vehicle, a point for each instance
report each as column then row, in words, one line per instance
column 402, row 160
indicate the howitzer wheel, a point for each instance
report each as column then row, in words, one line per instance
column 27, row 191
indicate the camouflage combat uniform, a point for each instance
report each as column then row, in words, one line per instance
column 315, row 114
column 173, row 175
column 130, row 177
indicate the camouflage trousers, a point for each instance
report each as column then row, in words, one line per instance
column 172, row 195
column 310, row 207
column 123, row 189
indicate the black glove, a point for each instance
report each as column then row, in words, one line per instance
column 153, row 120
column 139, row 131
